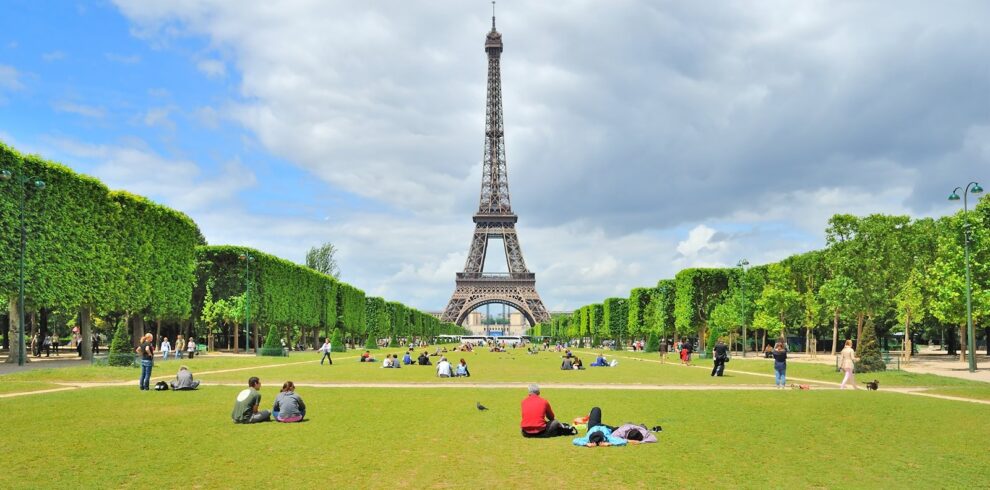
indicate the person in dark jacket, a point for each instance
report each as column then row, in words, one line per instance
column 721, row 354
column 780, row 365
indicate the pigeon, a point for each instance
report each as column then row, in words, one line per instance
column 481, row 407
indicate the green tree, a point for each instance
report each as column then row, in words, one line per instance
column 337, row 341
column 121, row 351
column 324, row 260
column 870, row 359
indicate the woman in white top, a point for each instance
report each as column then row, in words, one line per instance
column 165, row 348
column 191, row 347
column 848, row 364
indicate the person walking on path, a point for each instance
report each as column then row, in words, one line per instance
column 538, row 419
column 848, row 365
column 147, row 352
column 780, row 365
column 180, row 345
column 246, row 406
column 721, row 354
column 325, row 349
column 165, row 348
column 55, row 343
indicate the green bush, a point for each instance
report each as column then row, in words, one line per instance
column 337, row 341
column 121, row 352
column 272, row 346
column 870, row 359
column 652, row 343
column 371, row 343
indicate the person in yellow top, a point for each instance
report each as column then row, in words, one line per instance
column 847, row 363
column 180, row 346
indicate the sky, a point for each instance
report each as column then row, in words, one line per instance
column 641, row 137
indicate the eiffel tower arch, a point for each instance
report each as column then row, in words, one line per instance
column 495, row 220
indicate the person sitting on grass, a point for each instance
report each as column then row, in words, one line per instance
column 462, row 369
column 184, row 380
column 289, row 406
column 424, row 359
column 600, row 361
column 407, row 359
column 367, row 357
column 567, row 364
column 387, row 363
column 443, row 368
column 246, row 406
column 577, row 363
column 395, row 361
column 538, row 419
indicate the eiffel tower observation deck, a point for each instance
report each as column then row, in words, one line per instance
column 495, row 220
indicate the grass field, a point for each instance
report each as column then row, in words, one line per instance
column 117, row 436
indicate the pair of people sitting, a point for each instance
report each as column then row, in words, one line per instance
column 424, row 359
column 391, row 362
column 288, row 407
column 602, row 362
column 366, row 357
column 601, row 435
column 184, row 380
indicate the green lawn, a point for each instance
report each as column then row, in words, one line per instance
column 109, row 437
column 120, row 437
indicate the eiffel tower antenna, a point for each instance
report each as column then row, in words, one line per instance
column 495, row 219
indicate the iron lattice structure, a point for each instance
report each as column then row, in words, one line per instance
column 495, row 219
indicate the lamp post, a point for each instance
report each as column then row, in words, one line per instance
column 247, row 258
column 971, row 188
column 742, row 281
column 22, row 181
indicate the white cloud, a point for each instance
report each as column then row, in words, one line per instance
column 80, row 109
column 159, row 116
column 10, row 78
column 121, row 58
column 212, row 68
column 53, row 56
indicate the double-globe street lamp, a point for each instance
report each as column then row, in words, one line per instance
column 25, row 183
column 742, row 264
column 247, row 258
column 971, row 188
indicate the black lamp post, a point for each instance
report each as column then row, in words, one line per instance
column 23, row 182
column 971, row 188
column 247, row 258
column 742, row 282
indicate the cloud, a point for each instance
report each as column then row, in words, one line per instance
column 53, row 56
column 158, row 117
column 641, row 137
column 80, row 109
column 212, row 68
column 10, row 78
column 125, row 59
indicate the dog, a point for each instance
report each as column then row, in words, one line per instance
column 800, row 387
column 872, row 385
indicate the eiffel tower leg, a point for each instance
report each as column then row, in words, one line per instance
column 513, row 252
column 476, row 253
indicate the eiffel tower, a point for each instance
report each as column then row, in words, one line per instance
column 495, row 219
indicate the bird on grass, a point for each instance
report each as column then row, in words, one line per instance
column 481, row 407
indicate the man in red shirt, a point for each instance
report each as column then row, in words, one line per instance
column 538, row 419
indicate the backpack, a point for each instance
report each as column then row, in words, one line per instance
column 161, row 386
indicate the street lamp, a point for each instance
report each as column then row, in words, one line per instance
column 247, row 258
column 6, row 175
column 742, row 281
column 971, row 188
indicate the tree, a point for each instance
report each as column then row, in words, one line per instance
column 839, row 294
column 337, row 341
column 652, row 343
column 724, row 320
column 273, row 344
column 698, row 291
column 121, row 351
column 324, row 259
column 870, row 359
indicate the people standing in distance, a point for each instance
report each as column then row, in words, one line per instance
column 191, row 347
column 147, row 352
column 780, row 365
column 443, row 368
column 538, row 419
column 180, row 346
column 289, row 406
column 325, row 349
column 166, row 348
column 721, row 354
column 848, row 365
column 246, row 405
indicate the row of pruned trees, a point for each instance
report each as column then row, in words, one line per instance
column 878, row 275
column 109, row 256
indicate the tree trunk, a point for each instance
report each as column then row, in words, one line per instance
column 158, row 330
column 907, row 335
column 237, row 330
column 859, row 328
column 86, row 332
column 986, row 337
column 15, row 341
column 137, row 329
column 763, row 343
column 255, row 338
column 962, row 342
column 44, row 322
column 835, row 330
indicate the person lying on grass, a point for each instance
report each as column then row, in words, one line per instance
column 246, row 406
column 598, row 434
column 289, row 407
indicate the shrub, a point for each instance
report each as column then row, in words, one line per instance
column 652, row 343
column 272, row 346
column 371, row 343
column 870, row 359
column 337, row 341
column 121, row 353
